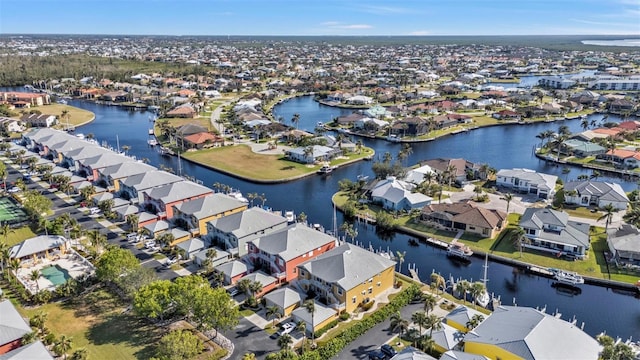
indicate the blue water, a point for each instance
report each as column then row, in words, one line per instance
column 502, row 147
column 55, row 274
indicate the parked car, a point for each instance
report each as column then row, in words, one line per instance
column 286, row 328
column 94, row 211
column 150, row 244
column 14, row 189
column 233, row 291
column 172, row 261
column 132, row 237
column 388, row 350
column 377, row 355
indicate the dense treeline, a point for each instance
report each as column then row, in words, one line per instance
column 21, row 70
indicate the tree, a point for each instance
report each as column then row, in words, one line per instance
column 87, row 192
column 435, row 323
column 249, row 356
column 437, row 281
column 420, row 318
column 478, row 191
column 154, row 300
column 5, row 230
column 179, row 344
column 3, row 174
column 508, row 197
column 518, row 237
column 612, row 350
column 273, row 312
column 97, row 240
column 38, row 321
column 132, row 221
column 474, row 321
column 426, row 343
column 35, row 276
column 296, row 119
column 477, row 289
column 397, row 323
column 349, row 230
column 115, row 263
column 607, row 216
column 462, row 287
column 80, row 354
column 302, row 218
column 310, row 306
column 400, row 256
column 301, row 326
column 429, row 301
column 63, row 345
column 285, row 341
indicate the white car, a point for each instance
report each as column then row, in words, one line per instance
column 172, row 261
column 94, row 211
column 150, row 244
column 14, row 189
column 286, row 328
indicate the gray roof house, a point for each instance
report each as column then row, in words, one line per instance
column 552, row 231
column 624, row 244
column 319, row 153
column 232, row 232
column 195, row 211
column 395, row 194
column 411, row 353
column 459, row 355
column 118, row 172
column 164, row 197
column 33, row 351
column 530, row 334
column 527, row 181
column 595, row 193
column 284, row 298
column 133, row 186
column 37, row 245
column 321, row 315
column 12, row 326
column 232, row 271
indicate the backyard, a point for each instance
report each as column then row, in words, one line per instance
column 100, row 323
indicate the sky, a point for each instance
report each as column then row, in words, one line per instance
column 326, row 17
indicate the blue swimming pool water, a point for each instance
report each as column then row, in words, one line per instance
column 55, row 274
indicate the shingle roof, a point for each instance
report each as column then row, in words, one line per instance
column 347, row 265
column 532, row 334
column 295, row 240
column 232, row 268
column 572, row 232
column 604, row 190
column 35, row 245
column 284, row 297
column 247, row 222
column 33, row 351
column 177, row 191
column 210, row 205
column 150, row 179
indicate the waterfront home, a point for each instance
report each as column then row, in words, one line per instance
column 233, row 232
column 347, row 276
column 39, row 120
column 595, row 193
column 551, row 231
column 589, row 135
column 162, row 199
column 202, row 140
column 506, row 115
column 417, row 175
column 556, row 82
column 370, row 124
column 280, row 252
column 91, row 166
column 30, row 99
column 449, row 120
column 193, row 215
column 182, row 111
column 410, row 126
column 582, row 148
column 517, row 332
column 232, row 271
column 465, row 216
column 350, row 119
column 450, row 168
column 321, row 317
column 446, row 338
column 358, row 100
column 112, row 176
column 134, row 186
column 286, row 299
column 12, row 328
column 527, row 181
column 624, row 244
column 460, row 318
column 312, row 154
column 393, row 194
column 629, row 159
column 39, row 248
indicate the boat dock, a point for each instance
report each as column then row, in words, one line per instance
column 413, row 270
column 540, row 271
column 436, row 242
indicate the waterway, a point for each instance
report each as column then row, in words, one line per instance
column 600, row 308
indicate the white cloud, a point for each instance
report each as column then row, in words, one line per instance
column 338, row 25
column 420, row 32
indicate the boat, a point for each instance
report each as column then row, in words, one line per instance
column 238, row 196
column 151, row 132
column 166, row 151
column 458, row 250
column 152, row 142
column 153, row 108
column 325, row 169
column 62, row 101
column 484, row 298
column 291, row 217
column 568, row 278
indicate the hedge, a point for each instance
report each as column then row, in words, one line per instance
column 338, row 343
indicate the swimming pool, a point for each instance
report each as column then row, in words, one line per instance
column 55, row 274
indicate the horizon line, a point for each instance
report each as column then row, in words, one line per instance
column 309, row 35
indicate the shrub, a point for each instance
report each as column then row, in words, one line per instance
column 398, row 284
column 328, row 327
column 49, row 339
column 368, row 305
column 345, row 316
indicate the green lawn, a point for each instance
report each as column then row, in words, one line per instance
column 96, row 322
column 19, row 235
column 77, row 116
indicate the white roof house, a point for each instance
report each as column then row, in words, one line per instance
column 552, row 231
column 598, row 193
column 417, row 175
column 36, row 245
column 396, row 194
column 530, row 334
column 527, row 181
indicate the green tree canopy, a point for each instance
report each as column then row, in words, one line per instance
column 178, row 345
column 115, row 262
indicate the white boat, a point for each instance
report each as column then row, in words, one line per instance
column 291, row 217
column 151, row 132
column 456, row 249
column 152, row 142
column 484, row 298
column 62, row 101
column 325, row 169
column 238, row 196
column 567, row 277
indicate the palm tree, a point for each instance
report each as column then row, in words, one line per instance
column 508, row 197
column 285, row 341
column 80, row 354
column 4, row 255
column 349, row 230
column 462, row 287
column 296, row 119
column 5, row 230
column 427, row 344
column 273, row 312
column 301, row 326
column 632, row 217
column 310, row 306
column 477, row 289
column 518, row 237
column 609, row 211
column 38, row 321
column 400, row 256
column 429, row 302
column 397, row 323
column 437, row 281
column 249, row 356
column 308, row 153
column 478, row 191
column 133, row 221
column 64, row 345
column 35, row 276
column 420, row 318
column 474, row 321
column 595, row 175
column 435, row 323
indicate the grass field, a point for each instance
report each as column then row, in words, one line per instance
column 77, row 116
column 97, row 322
column 17, row 235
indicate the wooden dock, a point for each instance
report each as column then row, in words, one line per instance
column 436, row 242
column 540, row 271
column 414, row 275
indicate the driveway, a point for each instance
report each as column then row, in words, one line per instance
column 247, row 337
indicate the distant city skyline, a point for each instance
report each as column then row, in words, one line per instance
column 327, row 17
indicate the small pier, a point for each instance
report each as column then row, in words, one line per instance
column 540, row 271
column 436, row 242
column 413, row 270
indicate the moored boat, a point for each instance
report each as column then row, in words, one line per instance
column 459, row 250
column 567, row 277
column 291, row 217
column 325, row 169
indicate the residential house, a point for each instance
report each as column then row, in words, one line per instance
column 183, row 111
column 518, row 332
column 582, row 148
column 134, row 186
column 12, row 328
column 311, row 154
column 410, row 126
column 194, row 214
column 91, row 166
column 624, row 244
column 551, row 231
column 221, row 256
column 267, row 281
column 460, row 317
column 446, row 338
column 279, row 253
column 411, row 353
column 35, row 350
column 322, row 316
column 233, row 232
column 456, row 169
column 527, row 181
column 286, row 299
column 113, row 175
column 11, row 125
column 358, row 100
column 39, row 120
column 623, row 158
column 185, row 130
column 32, row 99
column 595, row 193
column 350, row 119
column 39, row 248
column 347, row 276
column 203, row 140
column 394, row 194
column 417, row 176
column 191, row 247
column 467, row 217
column 232, row 271
column 507, row 115
column 163, row 198
column 116, row 96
